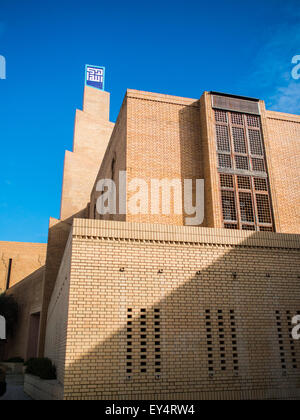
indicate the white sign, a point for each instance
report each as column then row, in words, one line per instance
column 2, row 328
column 2, row 67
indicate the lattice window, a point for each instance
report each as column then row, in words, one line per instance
column 248, row 227
column 287, row 350
column 129, row 343
column 222, row 138
column 157, row 343
column 260, row 184
column 222, row 350
column 255, row 142
column 265, row 229
column 246, row 207
column 230, row 226
column 143, row 336
column 220, row 116
column 244, row 182
column 226, row 181
column 253, row 121
column 263, row 208
column 224, row 161
column 228, row 205
column 241, row 162
column 237, row 118
column 239, row 140
column 244, row 191
column 258, row 165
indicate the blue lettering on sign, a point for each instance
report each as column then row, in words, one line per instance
column 94, row 76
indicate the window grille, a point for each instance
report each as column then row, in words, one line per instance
column 244, row 182
column 237, row 118
column 224, row 161
column 253, row 121
column 230, row 226
column 248, row 227
column 255, row 142
column 246, row 208
column 226, row 181
column 222, row 138
column 245, row 197
column 265, row 229
column 239, row 140
column 258, row 165
column 241, row 162
column 220, row 116
column 260, row 184
column 228, row 205
column 263, row 208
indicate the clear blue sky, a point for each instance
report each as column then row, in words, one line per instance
column 179, row 48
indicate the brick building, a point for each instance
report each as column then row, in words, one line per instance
column 139, row 304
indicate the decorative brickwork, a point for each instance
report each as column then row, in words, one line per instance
column 216, row 293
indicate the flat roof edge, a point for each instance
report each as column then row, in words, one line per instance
column 248, row 98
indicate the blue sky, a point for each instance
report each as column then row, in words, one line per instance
column 178, row 48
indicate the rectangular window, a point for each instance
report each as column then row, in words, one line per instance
column 255, row 142
column 224, row 161
column 228, row 205
column 258, row 165
column 241, row 162
column 245, row 197
column 263, row 208
column 239, row 140
column 246, row 208
column 222, row 138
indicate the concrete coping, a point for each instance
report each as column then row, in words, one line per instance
column 169, row 233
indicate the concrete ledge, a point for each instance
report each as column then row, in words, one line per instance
column 160, row 97
column 40, row 389
column 13, row 368
column 90, row 228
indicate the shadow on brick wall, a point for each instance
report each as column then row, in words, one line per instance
column 220, row 328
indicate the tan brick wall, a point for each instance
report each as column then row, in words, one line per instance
column 163, row 142
column 284, row 159
column 116, row 151
column 213, row 209
column 91, row 136
column 28, row 293
column 57, row 239
column 248, row 276
column 92, row 132
column 26, row 258
column 156, row 137
column 166, row 137
column 57, row 319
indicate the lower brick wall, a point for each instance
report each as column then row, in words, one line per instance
column 160, row 312
column 28, row 294
column 57, row 319
column 39, row 389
